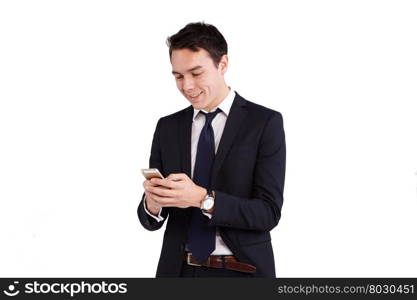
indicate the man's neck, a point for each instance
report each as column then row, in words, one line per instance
column 216, row 103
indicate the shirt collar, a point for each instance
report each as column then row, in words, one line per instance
column 225, row 105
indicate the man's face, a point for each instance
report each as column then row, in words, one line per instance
column 197, row 78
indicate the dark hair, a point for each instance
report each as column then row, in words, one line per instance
column 196, row 36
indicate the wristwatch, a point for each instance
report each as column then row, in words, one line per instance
column 207, row 204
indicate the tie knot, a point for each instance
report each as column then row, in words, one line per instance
column 210, row 116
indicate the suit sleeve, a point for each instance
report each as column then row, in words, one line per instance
column 263, row 210
column 155, row 161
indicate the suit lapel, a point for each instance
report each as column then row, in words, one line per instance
column 185, row 123
column 234, row 120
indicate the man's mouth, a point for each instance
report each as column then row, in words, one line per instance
column 194, row 96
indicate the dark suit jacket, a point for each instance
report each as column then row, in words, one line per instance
column 247, row 177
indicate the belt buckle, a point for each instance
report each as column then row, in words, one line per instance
column 189, row 261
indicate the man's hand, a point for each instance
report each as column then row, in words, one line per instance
column 176, row 190
column 151, row 205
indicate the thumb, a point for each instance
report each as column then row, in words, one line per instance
column 177, row 176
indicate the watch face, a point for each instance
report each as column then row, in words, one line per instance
column 208, row 203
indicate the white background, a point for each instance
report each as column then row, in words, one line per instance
column 83, row 83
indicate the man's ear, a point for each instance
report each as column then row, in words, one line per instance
column 223, row 64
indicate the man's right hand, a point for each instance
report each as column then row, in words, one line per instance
column 151, row 204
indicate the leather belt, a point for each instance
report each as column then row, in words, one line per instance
column 221, row 261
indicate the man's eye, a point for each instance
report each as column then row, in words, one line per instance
column 197, row 74
column 178, row 77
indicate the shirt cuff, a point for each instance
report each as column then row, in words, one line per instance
column 158, row 218
column 208, row 215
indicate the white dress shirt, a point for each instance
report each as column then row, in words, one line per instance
column 218, row 124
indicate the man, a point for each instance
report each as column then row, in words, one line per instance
column 223, row 159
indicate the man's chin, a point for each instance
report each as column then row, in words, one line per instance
column 197, row 105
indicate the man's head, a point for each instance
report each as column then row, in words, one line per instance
column 198, row 54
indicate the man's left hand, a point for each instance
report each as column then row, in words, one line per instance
column 180, row 191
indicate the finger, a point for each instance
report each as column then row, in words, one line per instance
column 162, row 201
column 163, row 182
column 163, row 192
column 157, row 181
column 147, row 183
column 177, row 176
column 150, row 202
column 148, row 198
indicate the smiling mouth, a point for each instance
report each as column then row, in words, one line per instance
column 194, row 96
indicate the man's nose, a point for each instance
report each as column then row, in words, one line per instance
column 188, row 84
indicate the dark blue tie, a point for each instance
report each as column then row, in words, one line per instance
column 201, row 237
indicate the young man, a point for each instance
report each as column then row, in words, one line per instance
column 223, row 159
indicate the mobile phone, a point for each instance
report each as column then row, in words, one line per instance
column 152, row 173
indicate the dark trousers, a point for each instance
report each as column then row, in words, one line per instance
column 197, row 271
